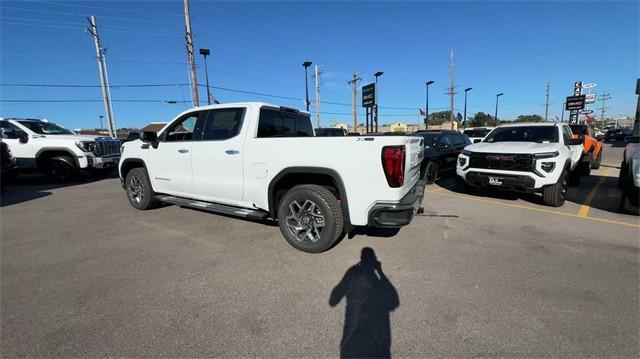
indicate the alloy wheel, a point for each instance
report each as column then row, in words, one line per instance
column 305, row 221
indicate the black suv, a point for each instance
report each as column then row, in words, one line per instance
column 441, row 150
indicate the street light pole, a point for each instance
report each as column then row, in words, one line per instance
column 426, row 108
column 205, row 53
column 495, row 118
column 306, row 64
column 377, row 74
column 464, row 122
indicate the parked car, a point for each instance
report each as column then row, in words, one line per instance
column 629, row 176
column 58, row 152
column 331, row 132
column 133, row 135
column 441, row 150
column 258, row 161
column 9, row 167
column 525, row 157
column 591, row 148
column 617, row 134
column 477, row 134
column 599, row 135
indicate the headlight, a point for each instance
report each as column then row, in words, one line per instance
column 462, row 161
column 548, row 166
column 86, row 146
column 547, row 154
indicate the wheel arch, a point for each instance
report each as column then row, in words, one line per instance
column 129, row 164
column 49, row 152
column 292, row 176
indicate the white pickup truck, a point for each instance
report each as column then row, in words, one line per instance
column 260, row 161
column 58, row 152
column 525, row 157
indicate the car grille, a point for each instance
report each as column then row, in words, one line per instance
column 502, row 161
column 107, row 148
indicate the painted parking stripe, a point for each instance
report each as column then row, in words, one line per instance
column 586, row 206
column 543, row 210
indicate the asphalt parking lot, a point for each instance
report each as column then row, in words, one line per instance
column 491, row 275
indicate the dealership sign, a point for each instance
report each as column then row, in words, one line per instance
column 575, row 103
column 590, row 98
column 369, row 95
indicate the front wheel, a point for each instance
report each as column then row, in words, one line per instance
column 310, row 218
column 555, row 194
column 60, row 168
column 139, row 191
column 431, row 172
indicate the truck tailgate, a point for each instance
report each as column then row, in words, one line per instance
column 415, row 154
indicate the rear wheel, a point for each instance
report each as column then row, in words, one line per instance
column 555, row 194
column 431, row 172
column 310, row 218
column 60, row 168
column 139, row 191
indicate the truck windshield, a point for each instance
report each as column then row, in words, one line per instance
column 45, row 128
column 278, row 123
column 523, row 134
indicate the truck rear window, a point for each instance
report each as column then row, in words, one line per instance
column 276, row 123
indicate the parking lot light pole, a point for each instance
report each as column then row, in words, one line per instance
column 495, row 118
column 464, row 122
column 377, row 74
column 306, row 65
column 205, row 53
column 426, row 107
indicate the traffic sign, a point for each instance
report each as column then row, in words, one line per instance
column 369, row 95
column 590, row 98
column 575, row 103
column 586, row 112
column 589, row 85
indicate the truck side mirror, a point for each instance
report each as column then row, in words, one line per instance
column 150, row 137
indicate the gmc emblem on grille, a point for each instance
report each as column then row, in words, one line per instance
column 499, row 158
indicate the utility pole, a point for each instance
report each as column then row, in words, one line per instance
column 451, row 92
column 604, row 97
column 354, row 84
column 104, row 80
column 192, row 60
column 317, row 78
column 546, row 103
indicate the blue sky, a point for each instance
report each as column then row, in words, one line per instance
column 511, row 47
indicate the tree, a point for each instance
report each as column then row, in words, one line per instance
column 438, row 118
column 529, row 118
column 481, row 119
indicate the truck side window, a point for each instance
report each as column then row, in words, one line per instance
column 9, row 130
column 567, row 134
column 222, row 124
column 183, row 129
column 276, row 123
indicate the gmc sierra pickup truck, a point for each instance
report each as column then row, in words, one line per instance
column 260, row 161
column 536, row 157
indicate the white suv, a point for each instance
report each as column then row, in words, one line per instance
column 525, row 157
column 58, row 152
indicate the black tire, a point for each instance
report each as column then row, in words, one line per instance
column 555, row 194
column 299, row 212
column 585, row 169
column 60, row 168
column 596, row 163
column 139, row 191
column 622, row 175
column 431, row 172
column 574, row 177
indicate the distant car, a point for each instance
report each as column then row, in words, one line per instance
column 132, row 136
column 591, row 148
column 629, row 177
column 477, row 134
column 600, row 135
column 441, row 150
column 330, row 132
column 617, row 134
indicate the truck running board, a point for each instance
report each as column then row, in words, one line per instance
column 256, row 215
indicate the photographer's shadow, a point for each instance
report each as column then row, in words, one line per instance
column 370, row 298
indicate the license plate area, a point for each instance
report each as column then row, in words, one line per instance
column 495, row 181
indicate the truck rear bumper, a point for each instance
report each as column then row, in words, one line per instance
column 393, row 215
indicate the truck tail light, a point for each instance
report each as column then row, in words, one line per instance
column 393, row 165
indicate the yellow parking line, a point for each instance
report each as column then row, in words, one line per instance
column 543, row 210
column 440, row 189
column 586, row 206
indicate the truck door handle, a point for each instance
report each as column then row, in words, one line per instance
column 232, row 152
column 183, row 150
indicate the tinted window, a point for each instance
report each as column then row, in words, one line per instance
column 477, row 132
column 9, row 130
column 579, row 129
column 446, row 139
column 182, row 129
column 330, row 132
column 276, row 123
column 523, row 134
column 458, row 139
column 566, row 133
column 430, row 139
column 45, row 128
column 223, row 123
column 465, row 139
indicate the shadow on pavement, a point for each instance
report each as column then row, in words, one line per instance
column 30, row 186
column 370, row 298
